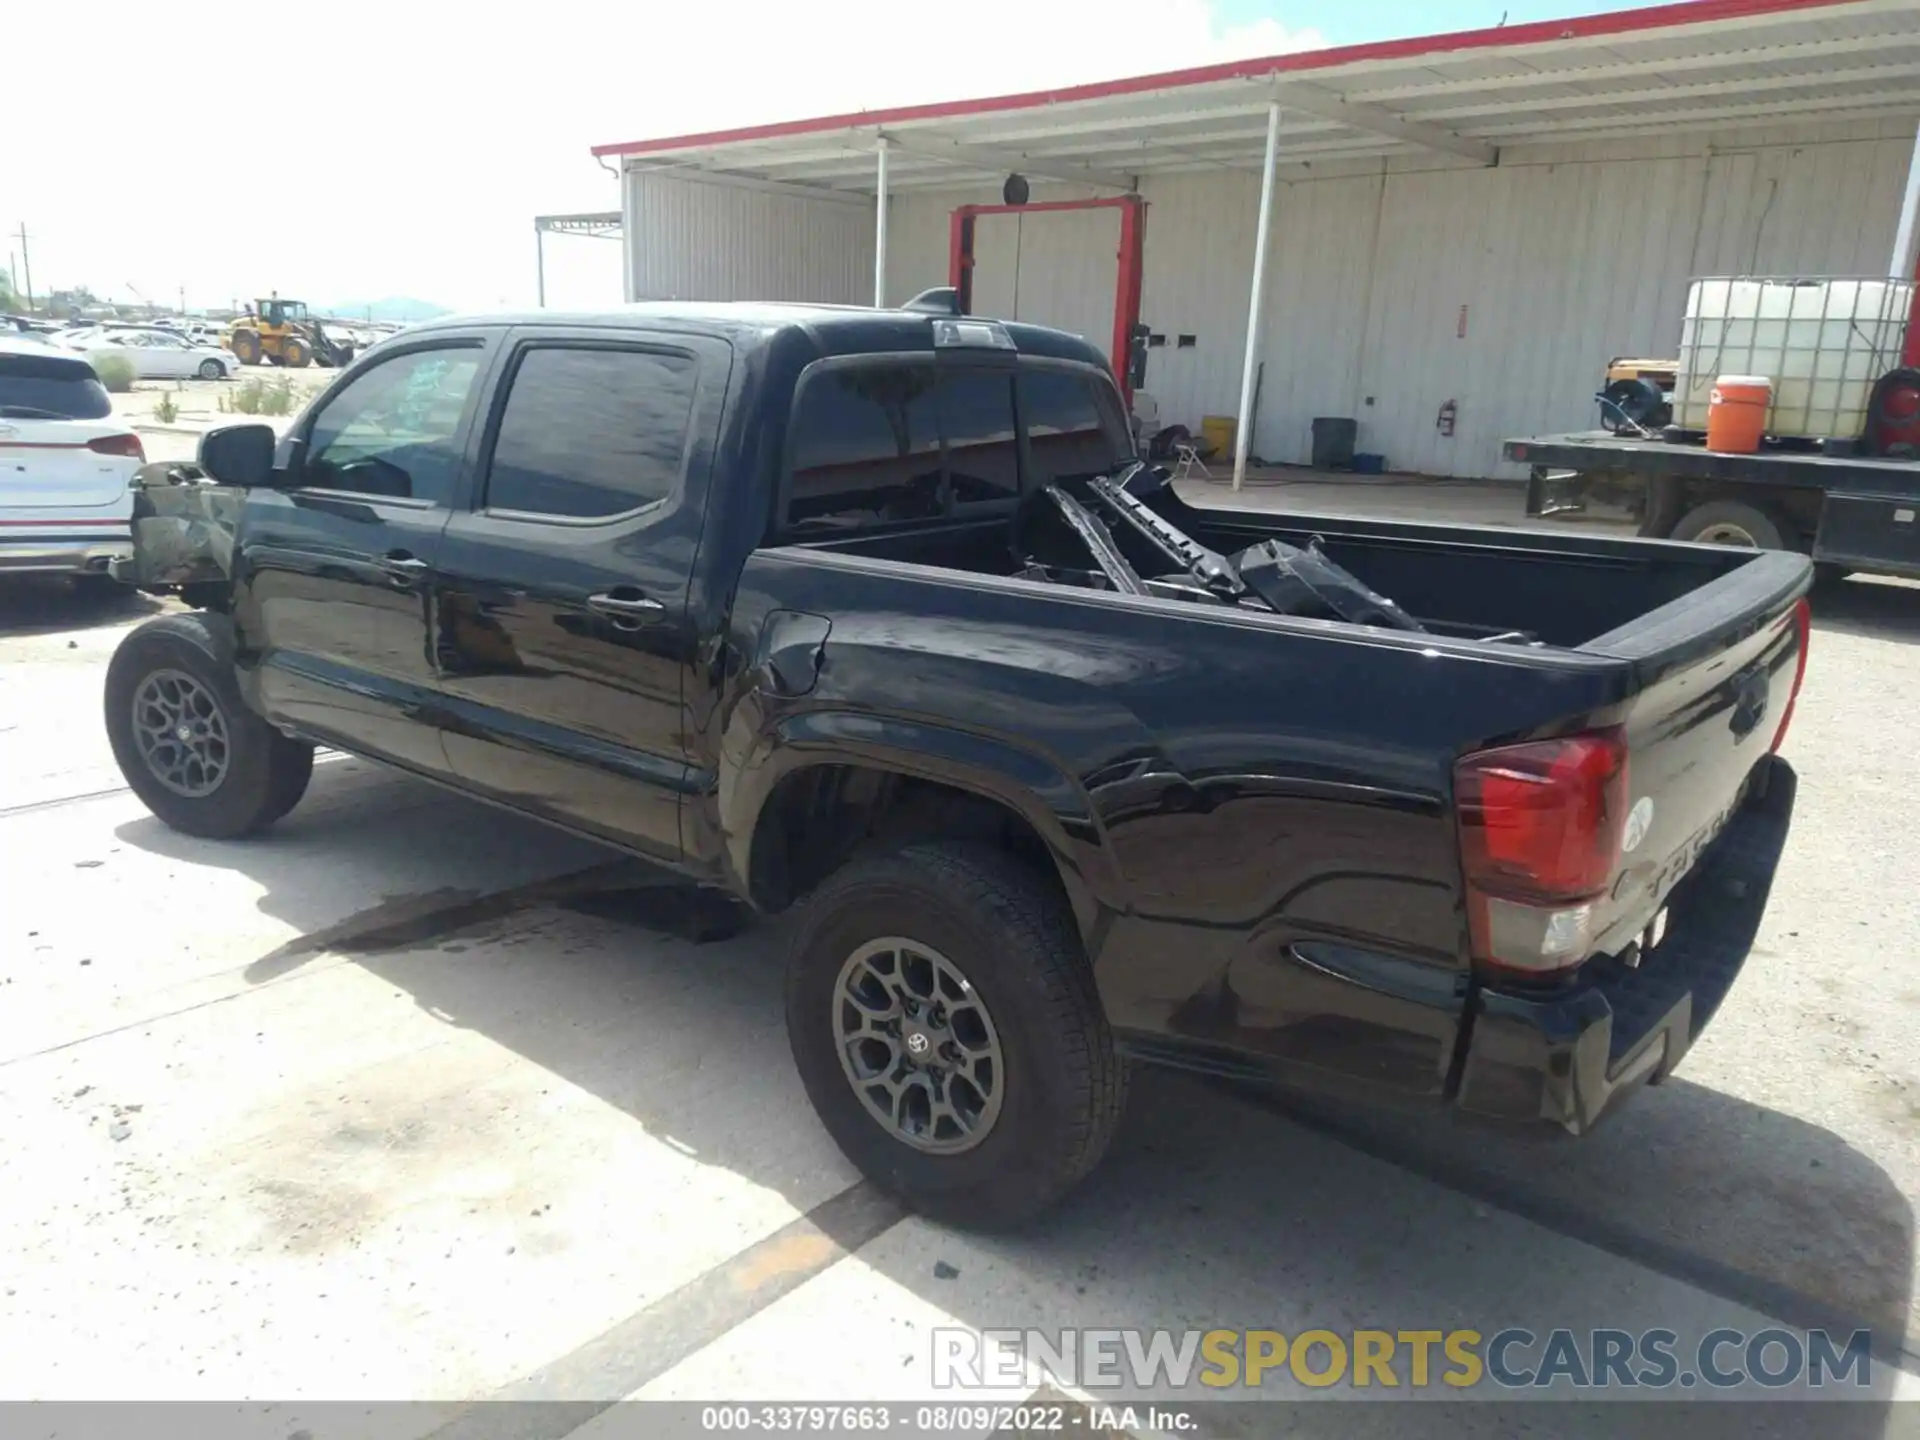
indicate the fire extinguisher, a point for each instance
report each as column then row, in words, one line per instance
column 1449, row 413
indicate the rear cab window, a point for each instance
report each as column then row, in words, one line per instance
column 50, row 387
column 1073, row 428
column 880, row 441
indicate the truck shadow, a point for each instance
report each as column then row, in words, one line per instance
column 48, row 605
column 1873, row 607
column 1213, row 1209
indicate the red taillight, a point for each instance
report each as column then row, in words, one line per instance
column 127, row 445
column 1540, row 830
column 1803, row 624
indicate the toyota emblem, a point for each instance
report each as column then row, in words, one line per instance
column 917, row 1044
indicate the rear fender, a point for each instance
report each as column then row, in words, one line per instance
column 1029, row 784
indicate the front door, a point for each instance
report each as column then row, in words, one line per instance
column 563, row 634
column 335, row 570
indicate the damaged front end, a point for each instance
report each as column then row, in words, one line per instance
column 183, row 529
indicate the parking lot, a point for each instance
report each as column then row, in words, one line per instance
column 412, row 1099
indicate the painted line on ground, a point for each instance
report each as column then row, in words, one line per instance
column 654, row 1340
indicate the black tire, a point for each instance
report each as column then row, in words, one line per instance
column 212, row 370
column 1011, row 933
column 1716, row 521
column 266, row 773
column 289, row 779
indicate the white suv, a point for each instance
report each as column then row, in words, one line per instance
column 66, row 465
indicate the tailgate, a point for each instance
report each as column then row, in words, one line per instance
column 1717, row 671
column 47, row 469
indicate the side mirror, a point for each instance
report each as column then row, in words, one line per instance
column 240, row 455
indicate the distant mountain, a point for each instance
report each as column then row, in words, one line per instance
column 400, row 309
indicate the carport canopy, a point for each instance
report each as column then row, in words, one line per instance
column 1705, row 65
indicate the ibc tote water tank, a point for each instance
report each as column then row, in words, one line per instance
column 1823, row 343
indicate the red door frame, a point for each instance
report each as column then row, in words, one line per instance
column 1126, row 299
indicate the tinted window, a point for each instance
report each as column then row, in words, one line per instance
column 866, row 447
column 976, row 416
column 1069, row 430
column 50, row 387
column 591, row 433
column 392, row 431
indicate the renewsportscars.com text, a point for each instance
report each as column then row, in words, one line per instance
column 1512, row 1359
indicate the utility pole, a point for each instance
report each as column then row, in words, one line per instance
column 183, row 301
column 26, row 263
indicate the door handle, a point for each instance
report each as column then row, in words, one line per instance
column 627, row 611
column 402, row 568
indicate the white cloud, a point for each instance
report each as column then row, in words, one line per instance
column 354, row 148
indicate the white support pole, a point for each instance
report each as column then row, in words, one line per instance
column 540, row 261
column 880, row 224
column 1903, row 235
column 1243, row 427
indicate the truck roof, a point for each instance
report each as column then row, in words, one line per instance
column 834, row 329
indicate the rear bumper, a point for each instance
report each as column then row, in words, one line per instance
column 64, row 555
column 1569, row 1058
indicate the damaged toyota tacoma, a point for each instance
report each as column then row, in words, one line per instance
column 876, row 615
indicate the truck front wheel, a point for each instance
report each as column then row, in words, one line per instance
column 944, row 1021
column 1731, row 522
column 187, row 743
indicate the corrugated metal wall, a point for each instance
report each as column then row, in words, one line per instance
column 700, row 240
column 1562, row 257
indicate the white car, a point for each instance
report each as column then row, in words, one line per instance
column 159, row 355
column 66, row 465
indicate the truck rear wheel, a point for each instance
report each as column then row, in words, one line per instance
column 944, row 1021
column 187, row 743
column 1732, row 522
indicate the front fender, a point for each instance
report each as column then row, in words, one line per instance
column 1054, row 804
column 183, row 528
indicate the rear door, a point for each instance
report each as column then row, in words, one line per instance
column 168, row 357
column 334, row 576
column 564, row 637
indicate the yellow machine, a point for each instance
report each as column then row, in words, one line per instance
column 280, row 332
column 1638, row 394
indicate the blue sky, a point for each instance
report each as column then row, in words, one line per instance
column 1355, row 22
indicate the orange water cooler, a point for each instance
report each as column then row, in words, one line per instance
column 1737, row 416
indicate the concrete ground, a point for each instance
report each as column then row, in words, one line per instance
column 412, row 1099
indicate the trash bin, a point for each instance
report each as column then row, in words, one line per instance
column 1333, row 442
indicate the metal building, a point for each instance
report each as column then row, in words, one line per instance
column 1466, row 225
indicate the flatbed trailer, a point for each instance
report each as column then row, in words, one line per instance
column 1850, row 513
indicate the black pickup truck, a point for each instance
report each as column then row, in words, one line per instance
column 877, row 615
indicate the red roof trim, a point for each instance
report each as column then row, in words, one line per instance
column 1623, row 22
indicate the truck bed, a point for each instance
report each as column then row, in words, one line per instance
column 1687, row 651
column 1568, row 590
